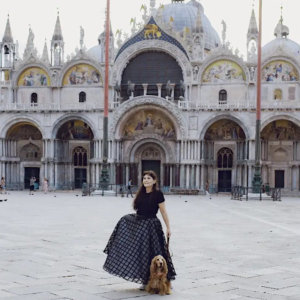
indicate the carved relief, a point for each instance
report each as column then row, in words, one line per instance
column 279, row 70
column 82, row 74
column 225, row 130
column 34, row 77
column 148, row 121
column 223, row 71
column 281, row 130
column 129, row 105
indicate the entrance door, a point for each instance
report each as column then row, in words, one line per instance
column 31, row 172
column 224, row 181
column 153, row 165
column 279, row 179
column 80, row 177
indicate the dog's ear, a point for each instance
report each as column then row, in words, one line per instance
column 153, row 266
column 165, row 266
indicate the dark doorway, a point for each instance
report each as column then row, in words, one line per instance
column 80, row 177
column 279, row 179
column 224, row 181
column 31, row 172
column 153, row 165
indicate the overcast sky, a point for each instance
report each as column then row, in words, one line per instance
column 90, row 14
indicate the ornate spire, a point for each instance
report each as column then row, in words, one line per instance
column 199, row 24
column 45, row 55
column 30, row 49
column 57, row 35
column 253, row 29
column 7, row 38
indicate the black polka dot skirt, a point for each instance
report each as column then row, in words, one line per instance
column 132, row 245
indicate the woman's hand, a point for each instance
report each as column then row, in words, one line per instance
column 168, row 233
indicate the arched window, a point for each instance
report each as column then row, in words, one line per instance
column 223, row 97
column 82, row 97
column 278, row 94
column 225, row 158
column 6, row 49
column 80, row 157
column 34, row 99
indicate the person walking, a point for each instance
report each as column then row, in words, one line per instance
column 45, row 186
column 31, row 185
column 129, row 191
column 139, row 237
column 3, row 185
column 207, row 190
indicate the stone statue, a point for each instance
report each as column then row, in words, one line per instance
column 130, row 88
column 223, row 31
column 81, row 37
column 133, row 24
column 169, row 88
column 182, row 88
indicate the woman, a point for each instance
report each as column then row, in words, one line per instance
column 137, row 238
column 45, row 186
column 3, row 185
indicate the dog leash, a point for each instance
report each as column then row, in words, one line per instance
column 168, row 246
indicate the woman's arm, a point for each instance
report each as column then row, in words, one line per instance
column 163, row 211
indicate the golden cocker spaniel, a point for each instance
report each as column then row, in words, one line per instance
column 158, row 282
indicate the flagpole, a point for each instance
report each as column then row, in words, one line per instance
column 104, row 179
column 257, row 180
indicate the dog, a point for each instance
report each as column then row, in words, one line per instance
column 158, row 282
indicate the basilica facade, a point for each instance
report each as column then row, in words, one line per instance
column 181, row 102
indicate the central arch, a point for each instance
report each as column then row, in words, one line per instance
column 158, row 68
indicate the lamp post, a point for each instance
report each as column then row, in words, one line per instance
column 104, row 179
column 257, row 181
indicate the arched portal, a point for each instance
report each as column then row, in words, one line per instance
column 280, row 148
column 24, row 142
column 225, row 153
column 73, row 151
column 148, row 137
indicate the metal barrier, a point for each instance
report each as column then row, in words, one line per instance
column 237, row 193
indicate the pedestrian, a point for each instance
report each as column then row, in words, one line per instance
column 3, row 185
column 129, row 191
column 139, row 237
column 207, row 190
column 45, row 186
column 31, row 185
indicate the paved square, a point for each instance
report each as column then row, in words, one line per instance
column 51, row 247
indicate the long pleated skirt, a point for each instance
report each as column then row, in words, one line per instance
column 132, row 245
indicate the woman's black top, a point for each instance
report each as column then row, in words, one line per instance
column 148, row 203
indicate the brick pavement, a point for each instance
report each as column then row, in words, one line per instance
column 51, row 248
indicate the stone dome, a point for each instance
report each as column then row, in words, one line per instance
column 95, row 52
column 185, row 15
column 284, row 45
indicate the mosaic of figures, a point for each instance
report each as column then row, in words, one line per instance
column 82, row 74
column 281, row 130
column 223, row 71
column 280, row 70
column 24, row 132
column 77, row 130
column 34, row 77
column 225, row 130
column 149, row 121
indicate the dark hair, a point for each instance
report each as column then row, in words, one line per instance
column 142, row 189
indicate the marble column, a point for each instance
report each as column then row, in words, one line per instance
column 159, row 86
column 145, row 87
